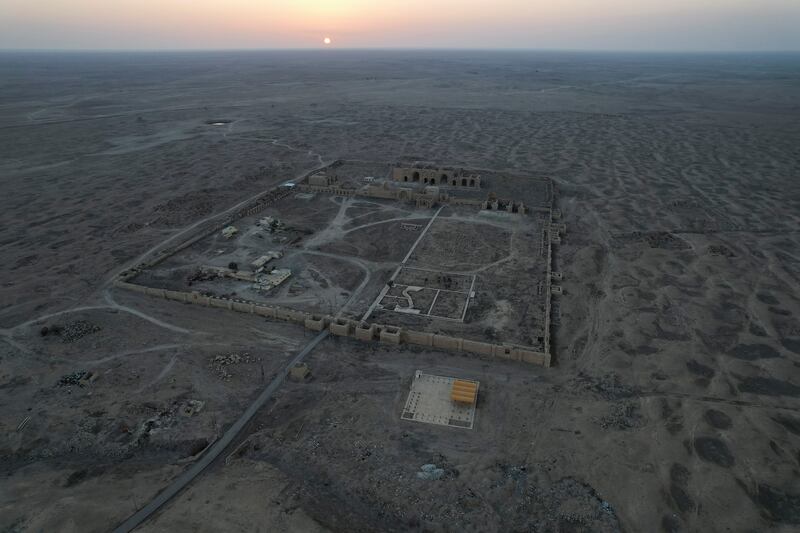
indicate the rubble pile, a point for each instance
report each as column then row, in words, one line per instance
column 201, row 275
column 77, row 330
column 79, row 378
column 609, row 386
column 71, row 331
column 622, row 416
column 221, row 363
column 165, row 419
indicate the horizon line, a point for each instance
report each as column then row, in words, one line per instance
column 402, row 49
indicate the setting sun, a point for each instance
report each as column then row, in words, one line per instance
column 326, row 40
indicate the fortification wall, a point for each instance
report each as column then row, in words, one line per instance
column 331, row 189
column 467, row 201
column 338, row 326
column 341, row 328
column 348, row 328
column 436, row 176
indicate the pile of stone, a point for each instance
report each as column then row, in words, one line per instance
column 72, row 331
column 222, row 363
column 623, row 416
column 77, row 330
column 201, row 275
column 79, row 378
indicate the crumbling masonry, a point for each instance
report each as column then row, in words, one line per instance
column 367, row 332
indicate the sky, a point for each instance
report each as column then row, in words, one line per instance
column 642, row 25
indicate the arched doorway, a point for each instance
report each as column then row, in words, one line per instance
column 433, row 181
column 405, row 178
column 415, row 177
column 463, row 182
column 454, row 182
column 472, row 182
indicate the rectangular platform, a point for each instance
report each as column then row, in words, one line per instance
column 430, row 401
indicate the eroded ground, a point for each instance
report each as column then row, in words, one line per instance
column 673, row 403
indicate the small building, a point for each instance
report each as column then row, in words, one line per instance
column 229, row 231
column 299, row 372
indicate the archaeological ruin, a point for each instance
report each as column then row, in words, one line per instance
column 426, row 256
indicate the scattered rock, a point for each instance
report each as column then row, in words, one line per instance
column 608, row 386
column 192, row 407
column 79, row 378
column 623, row 416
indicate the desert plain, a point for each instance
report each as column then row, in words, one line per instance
column 672, row 402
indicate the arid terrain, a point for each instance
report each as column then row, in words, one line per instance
column 673, row 401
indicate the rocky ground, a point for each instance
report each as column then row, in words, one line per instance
column 673, row 403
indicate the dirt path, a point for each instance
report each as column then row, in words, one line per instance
column 403, row 262
column 216, row 450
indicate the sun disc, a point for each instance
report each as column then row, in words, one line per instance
column 327, row 40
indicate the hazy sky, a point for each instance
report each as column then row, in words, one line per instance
column 564, row 24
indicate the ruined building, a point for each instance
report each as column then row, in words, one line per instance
column 436, row 176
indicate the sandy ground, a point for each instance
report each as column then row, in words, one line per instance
column 673, row 403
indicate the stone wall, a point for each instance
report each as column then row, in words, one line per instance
column 344, row 327
column 436, row 176
column 348, row 328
